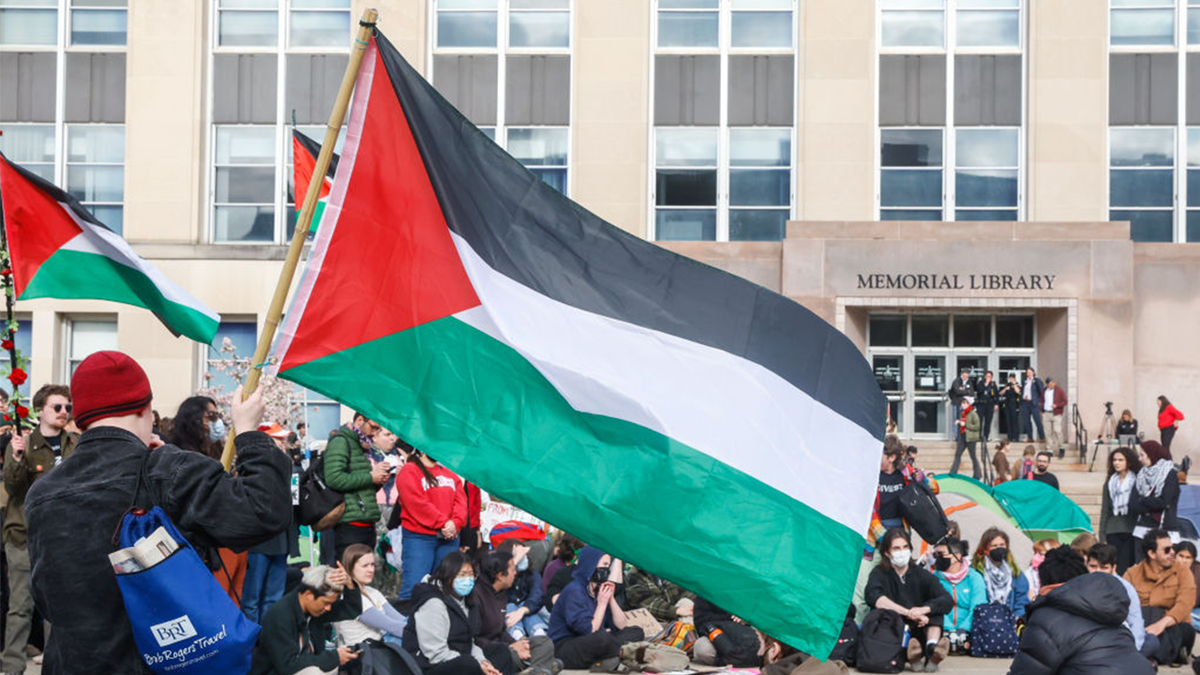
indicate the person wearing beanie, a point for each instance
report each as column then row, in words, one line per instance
column 28, row 457
column 73, row 511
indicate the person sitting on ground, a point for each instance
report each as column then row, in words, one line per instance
column 1005, row 583
column 439, row 633
column 497, row 573
column 1083, row 542
column 566, row 547
column 1185, row 557
column 659, row 596
column 897, row 586
column 524, row 614
column 379, row 619
column 1040, row 547
column 587, row 625
column 1041, row 471
column 966, row 588
column 296, row 629
column 1077, row 625
column 1103, row 558
column 1168, row 595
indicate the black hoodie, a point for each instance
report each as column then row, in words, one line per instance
column 1078, row 629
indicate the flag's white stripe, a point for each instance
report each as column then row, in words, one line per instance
column 105, row 242
column 333, row 207
column 729, row 408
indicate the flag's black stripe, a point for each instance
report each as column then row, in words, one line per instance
column 55, row 192
column 314, row 149
column 531, row 233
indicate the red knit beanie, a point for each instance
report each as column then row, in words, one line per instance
column 108, row 384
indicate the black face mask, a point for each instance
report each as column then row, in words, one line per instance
column 942, row 563
column 998, row 555
column 600, row 575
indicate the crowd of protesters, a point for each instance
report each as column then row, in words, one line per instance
column 453, row 602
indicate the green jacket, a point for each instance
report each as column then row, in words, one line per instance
column 973, row 426
column 348, row 470
column 18, row 476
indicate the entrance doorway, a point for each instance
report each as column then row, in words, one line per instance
column 916, row 356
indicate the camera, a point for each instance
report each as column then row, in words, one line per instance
column 1108, row 408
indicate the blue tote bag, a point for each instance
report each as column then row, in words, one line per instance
column 183, row 621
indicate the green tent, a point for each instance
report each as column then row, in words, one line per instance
column 1036, row 509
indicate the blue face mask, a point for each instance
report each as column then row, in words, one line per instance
column 523, row 565
column 463, row 586
column 216, row 430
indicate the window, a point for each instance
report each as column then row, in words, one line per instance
column 96, row 170
column 244, row 182
column 1193, row 22
column 724, row 113
column 951, row 110
column 887, row 330
column 230, row 352
column 506, row 64
column 1014, row 332
column 318, row 23
column 320, row 413
column 316, row 133
column 1142, row 181
column 1192, row 229
column 31, row 146
column 1142, row 23
column 29, row 22
column 86, row 337
column 99, row 22
column 247, row 23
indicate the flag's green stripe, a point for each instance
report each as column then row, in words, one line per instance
column 316, row 217
column 475, row 404
column 74, row 274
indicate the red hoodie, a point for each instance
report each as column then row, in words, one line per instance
column 424, row 508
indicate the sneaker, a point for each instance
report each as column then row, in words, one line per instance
column 607, row 665
column 940, row 652
column 916, row 653
column 37, row 660
column 556, row 666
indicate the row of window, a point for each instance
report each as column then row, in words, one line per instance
column 975, row 176
column 973, row 24
column 1152, row 23
column 92, row 23
column 308, row 24
column 487, row 24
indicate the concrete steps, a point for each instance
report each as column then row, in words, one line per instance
column 1076, row 482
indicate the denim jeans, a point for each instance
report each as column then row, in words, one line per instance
column 529, row 626
column 419, row 555
column 265, row 579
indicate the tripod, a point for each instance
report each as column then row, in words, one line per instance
column 1108, row 426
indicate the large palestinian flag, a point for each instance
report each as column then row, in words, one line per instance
column 59, row 250
column 679, row 417
column 304, row 163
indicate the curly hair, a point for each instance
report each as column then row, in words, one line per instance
column 188, row 430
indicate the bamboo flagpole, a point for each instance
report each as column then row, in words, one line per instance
column 366, row 27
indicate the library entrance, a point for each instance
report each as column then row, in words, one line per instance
column 917, row 355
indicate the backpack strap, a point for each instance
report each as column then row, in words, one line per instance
column 140, row 487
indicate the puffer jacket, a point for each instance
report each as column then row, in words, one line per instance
column 1078, row 629
column 348, row 470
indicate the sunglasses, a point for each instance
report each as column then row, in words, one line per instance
column 58, row 407
column 1168, row 549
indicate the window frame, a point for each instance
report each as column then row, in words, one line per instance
column 69, row 29
column 61, row 27
column 724, row 50
column 68, row 322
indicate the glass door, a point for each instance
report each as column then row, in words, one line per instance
column 889, row 373
column 929, row 390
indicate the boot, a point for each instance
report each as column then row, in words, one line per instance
column 915, row 652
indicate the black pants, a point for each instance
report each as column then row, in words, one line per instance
column 1167, row 434
column 986, row 412
column 1177, row 637
column 1012, row 425
column 345, row 534
column 579, row 653
column 463, row 665
column 964, row 444
column 1124, row 543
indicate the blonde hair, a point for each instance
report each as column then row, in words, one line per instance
column 1044, row 545
column 1030, row 451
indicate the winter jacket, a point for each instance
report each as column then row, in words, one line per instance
column 572, row 614
column 1157, row 511
column 1173, row 590
column 1129, row 428
column 919, row 588
column 19, row 476
column 986, row 394
column 291, row 640
column 960, row 390
column 1018, row 596
column 527, row 590
column 967, row 594
column 1060, row 400
column 487, row 615
column 426, row 508
column 348, row 470
column 440, row 628
column 1077, row 629
column 971, row 418
column 74, row 510
column 1168, row 417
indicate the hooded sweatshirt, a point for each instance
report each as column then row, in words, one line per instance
column 573, row 612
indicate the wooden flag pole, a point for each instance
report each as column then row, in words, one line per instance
column 366, row 27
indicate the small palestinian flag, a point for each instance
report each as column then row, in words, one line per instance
column 681, row 418
column 304, row 161
column 59, row 250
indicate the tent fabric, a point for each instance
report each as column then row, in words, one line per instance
column 1041, row 511
column 1189, row 509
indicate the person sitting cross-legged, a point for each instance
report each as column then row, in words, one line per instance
column 1076, row 626
column 587, row 625
column 896, row 585
column 497, row 574
column 1168, row 594
column 965, row 586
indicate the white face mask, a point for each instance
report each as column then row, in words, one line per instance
column 216, row 430
column 901, row 558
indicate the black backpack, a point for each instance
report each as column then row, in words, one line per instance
column 921, row 510
column 320, row 505
column 736, row 643
column 881, row 643
column 847, row 643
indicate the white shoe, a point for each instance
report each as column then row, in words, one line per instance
column 37, row 660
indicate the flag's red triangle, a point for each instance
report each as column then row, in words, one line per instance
column 389, row 244
column 303, row 166
column 36, row 223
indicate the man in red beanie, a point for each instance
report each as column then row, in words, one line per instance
column 73, row 511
